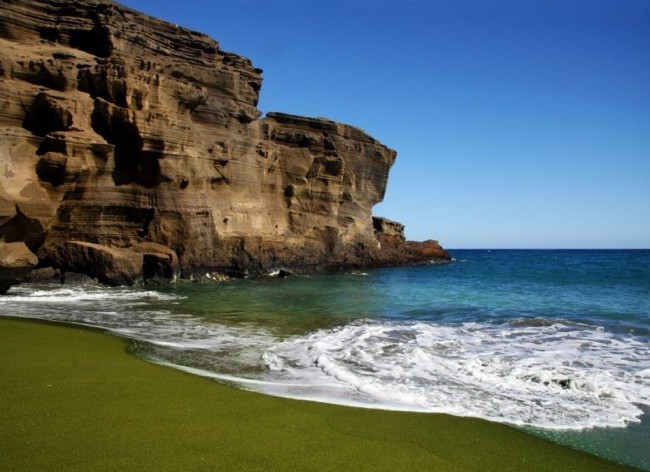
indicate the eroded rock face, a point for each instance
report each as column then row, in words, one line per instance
column 118, row 129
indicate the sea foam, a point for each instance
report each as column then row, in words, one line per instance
column 540, row 372
column 560, row 376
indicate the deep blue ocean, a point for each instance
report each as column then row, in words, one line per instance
column 556, row 342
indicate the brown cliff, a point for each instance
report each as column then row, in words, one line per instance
column 117, row 128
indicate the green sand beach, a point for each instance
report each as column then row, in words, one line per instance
column 75, row 399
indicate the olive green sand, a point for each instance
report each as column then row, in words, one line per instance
column 74, row 399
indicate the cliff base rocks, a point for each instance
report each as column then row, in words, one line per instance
column 16, row 262
column 116, row 266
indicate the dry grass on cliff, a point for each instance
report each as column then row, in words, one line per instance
column 74, row 399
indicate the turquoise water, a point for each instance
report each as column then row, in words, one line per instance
column 556, row 342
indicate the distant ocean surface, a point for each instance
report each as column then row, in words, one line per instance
column 556, row 341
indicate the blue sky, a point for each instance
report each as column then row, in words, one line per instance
column 518, row 123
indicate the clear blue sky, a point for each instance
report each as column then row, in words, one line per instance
column 518, row 123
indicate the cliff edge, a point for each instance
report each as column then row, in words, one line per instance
column 118, row 129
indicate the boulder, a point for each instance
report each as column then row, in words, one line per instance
column 44, row 275
column 110, row 265
column 16, row 262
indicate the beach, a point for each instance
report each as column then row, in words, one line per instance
column 76, row 399
column 190, row 280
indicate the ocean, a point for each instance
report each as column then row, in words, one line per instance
column 556, row 342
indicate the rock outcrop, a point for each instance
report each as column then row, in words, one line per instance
column 396, row 250
column 118, row 129
column 16, row 262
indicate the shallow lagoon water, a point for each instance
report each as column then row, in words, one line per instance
column 556, row 342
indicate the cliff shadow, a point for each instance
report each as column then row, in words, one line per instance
column 133, row 162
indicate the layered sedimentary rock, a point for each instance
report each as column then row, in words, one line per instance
column 118, row 129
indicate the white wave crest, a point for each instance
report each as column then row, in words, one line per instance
column 536, row 372
column 81, row 293
column 558, row 376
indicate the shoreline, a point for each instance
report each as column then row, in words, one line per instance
column 78, row 399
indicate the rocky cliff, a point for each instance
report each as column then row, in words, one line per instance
column 118, row 129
